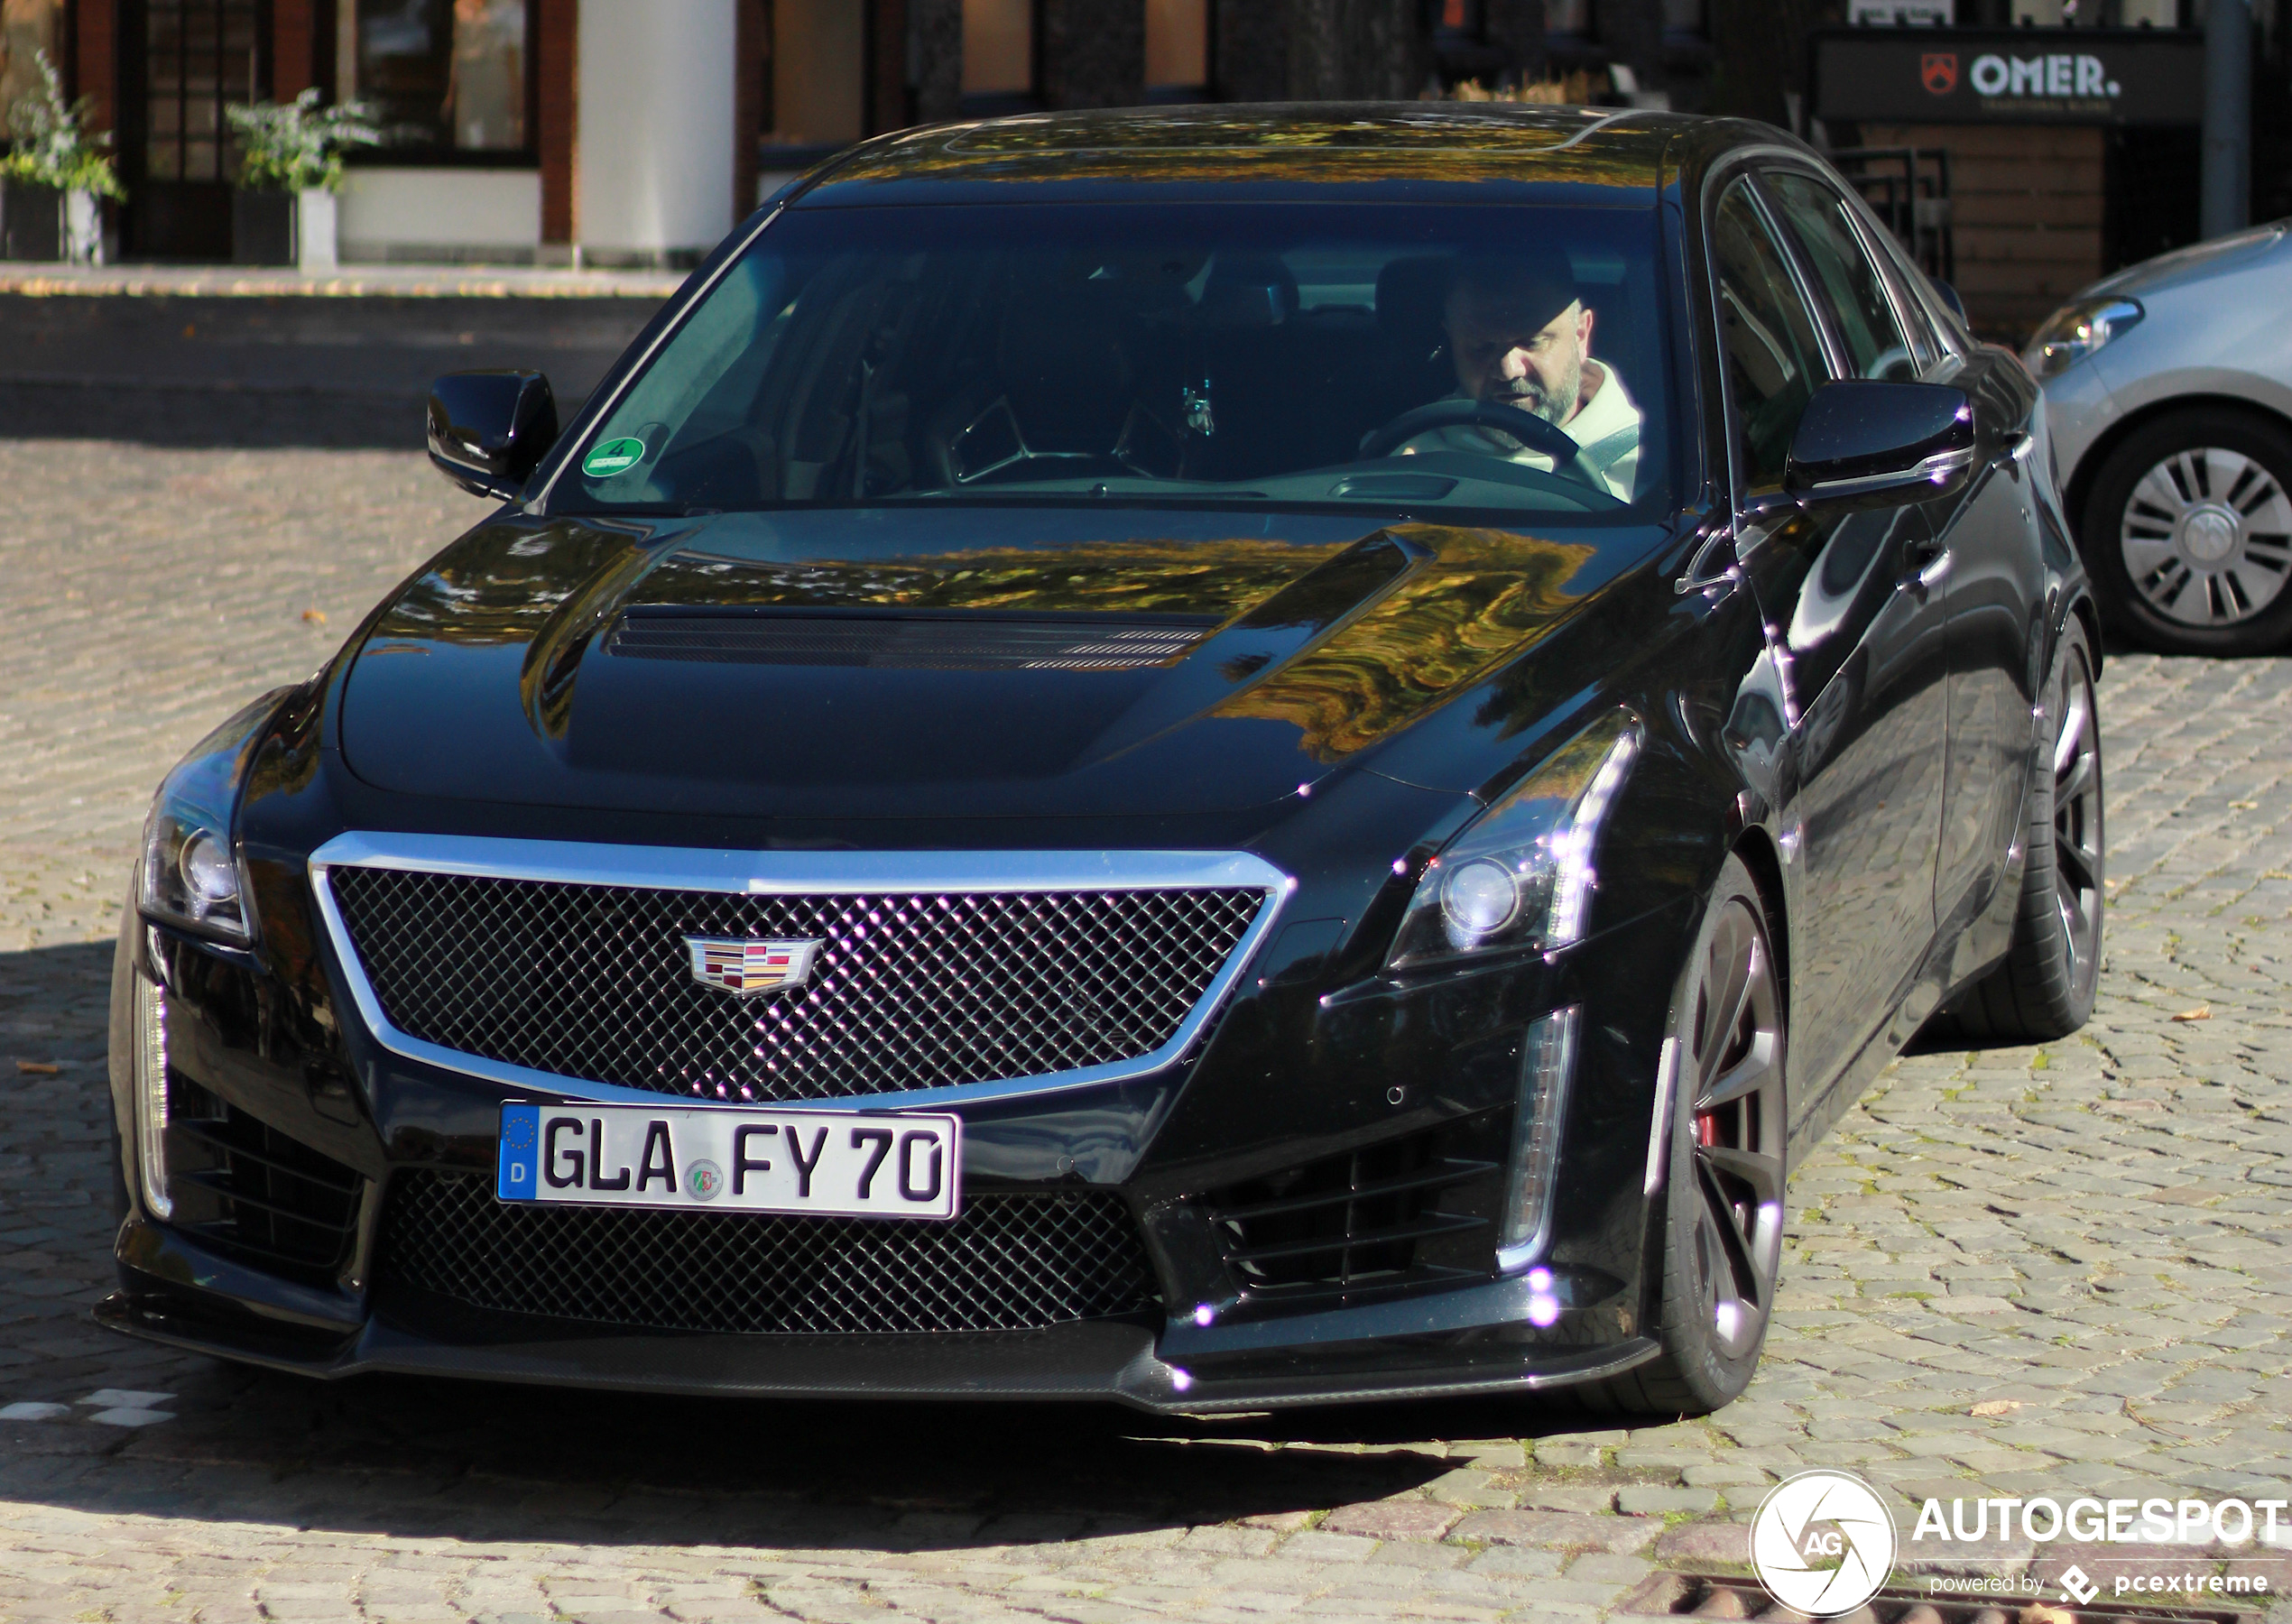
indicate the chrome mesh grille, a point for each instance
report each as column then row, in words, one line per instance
column 910, row 990
column 1009, row 1263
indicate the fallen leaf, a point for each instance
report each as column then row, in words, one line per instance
column 39, row 1068
column 1997, row 1407
column 317, row 617
column 2201, row 1012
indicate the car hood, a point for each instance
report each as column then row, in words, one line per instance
column 947, row 663
column 2200, row 262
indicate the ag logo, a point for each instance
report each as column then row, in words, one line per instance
column 1823, row 1542
column 1938, row 71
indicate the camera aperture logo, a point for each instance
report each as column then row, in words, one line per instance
column 1823, row 1542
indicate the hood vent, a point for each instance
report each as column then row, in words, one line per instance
column 906, row 641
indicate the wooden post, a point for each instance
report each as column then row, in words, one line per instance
column 294, row 66
column 751, row 108
column 95, row 59
column 557, row 64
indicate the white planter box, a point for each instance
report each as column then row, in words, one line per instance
column 315, row 231
column 83, row 228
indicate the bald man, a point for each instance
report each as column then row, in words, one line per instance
column 1518, row 335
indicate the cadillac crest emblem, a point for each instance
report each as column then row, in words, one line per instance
column 744, row 967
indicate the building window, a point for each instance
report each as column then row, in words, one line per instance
column 998, row 54
column 1177, row 49
column 441, row 75
column 27, row 27
column 1568, row 17
column 819, row 73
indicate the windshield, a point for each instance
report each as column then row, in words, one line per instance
column 1402, row 357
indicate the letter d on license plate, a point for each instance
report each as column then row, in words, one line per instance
column 834, row 1164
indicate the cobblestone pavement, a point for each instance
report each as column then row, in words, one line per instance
column 2058, row 1269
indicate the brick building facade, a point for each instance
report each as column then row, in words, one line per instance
column 635, row 131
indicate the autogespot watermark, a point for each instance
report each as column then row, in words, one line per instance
column 1824, row 1542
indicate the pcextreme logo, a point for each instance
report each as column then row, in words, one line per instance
column 1823, row 1542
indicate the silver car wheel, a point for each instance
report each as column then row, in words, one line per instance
column 1736, row 1070
column 2077, row 849
column 2207, row 537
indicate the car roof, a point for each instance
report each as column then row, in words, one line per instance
column 1404, row 151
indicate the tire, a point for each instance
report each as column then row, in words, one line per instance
column 2187, row 532
column 1722, row 1211
column 2044, row 988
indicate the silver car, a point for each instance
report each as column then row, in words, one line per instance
column 2168, row 389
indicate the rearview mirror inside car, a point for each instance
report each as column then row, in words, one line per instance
column 489, row 429
column 1880, row 442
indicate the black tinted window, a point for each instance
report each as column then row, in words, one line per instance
column 1144, row 351
column 1774, row 362
column 1846, row 279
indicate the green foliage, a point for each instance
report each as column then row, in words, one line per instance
column 52, row 148
column 299, row 146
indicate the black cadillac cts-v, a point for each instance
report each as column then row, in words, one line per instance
column 1212, row 757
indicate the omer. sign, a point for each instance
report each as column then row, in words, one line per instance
column 2017, row 76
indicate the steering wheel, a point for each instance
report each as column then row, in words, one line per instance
column 1526, row 428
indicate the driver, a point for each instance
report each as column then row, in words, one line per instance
column 1519, row 336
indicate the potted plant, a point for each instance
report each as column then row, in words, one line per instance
column 290, row 169
column 54, row 178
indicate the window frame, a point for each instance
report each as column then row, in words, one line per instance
column 1927, row 344
column 431, row 155
column 1887, row 292
column 1742, row 167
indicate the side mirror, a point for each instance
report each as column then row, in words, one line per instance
column 488, row 429
column 1882, row 443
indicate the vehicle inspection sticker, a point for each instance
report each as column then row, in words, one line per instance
column 614, row 456
column 836, row 1164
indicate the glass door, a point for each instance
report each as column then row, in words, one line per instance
column 182, row 62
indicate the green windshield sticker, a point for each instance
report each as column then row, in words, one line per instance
column 614, row 456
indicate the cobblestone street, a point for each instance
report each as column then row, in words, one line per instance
column 2059, row 1271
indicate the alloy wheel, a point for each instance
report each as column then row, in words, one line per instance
column 2206, row 537
column 1736, row 1071
column 2078, row 843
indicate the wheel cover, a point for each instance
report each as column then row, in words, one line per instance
column 2078, row 846
column 2206, row 537
column 1735, row 1068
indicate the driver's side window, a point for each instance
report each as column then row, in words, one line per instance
column 1774, row 360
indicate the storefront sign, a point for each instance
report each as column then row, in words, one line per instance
column 2010, row 76
column 1903, row 13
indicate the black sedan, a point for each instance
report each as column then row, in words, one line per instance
column 1216, row 758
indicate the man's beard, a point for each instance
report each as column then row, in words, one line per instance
column 1552, row 404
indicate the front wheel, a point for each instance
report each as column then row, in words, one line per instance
column 2189, row 534
column 1723, row 1206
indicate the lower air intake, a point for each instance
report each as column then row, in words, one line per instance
column 247, row 1190
column 1416, row 1211
column 1010, row 1263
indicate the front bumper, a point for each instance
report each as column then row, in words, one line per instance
column 1449, row 1346
column 1378, row 1063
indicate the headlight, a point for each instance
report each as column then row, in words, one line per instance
column 2077, row 329
column 191, row 872
column 1520, row 876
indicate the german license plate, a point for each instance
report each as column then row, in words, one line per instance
column 729, row 1159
